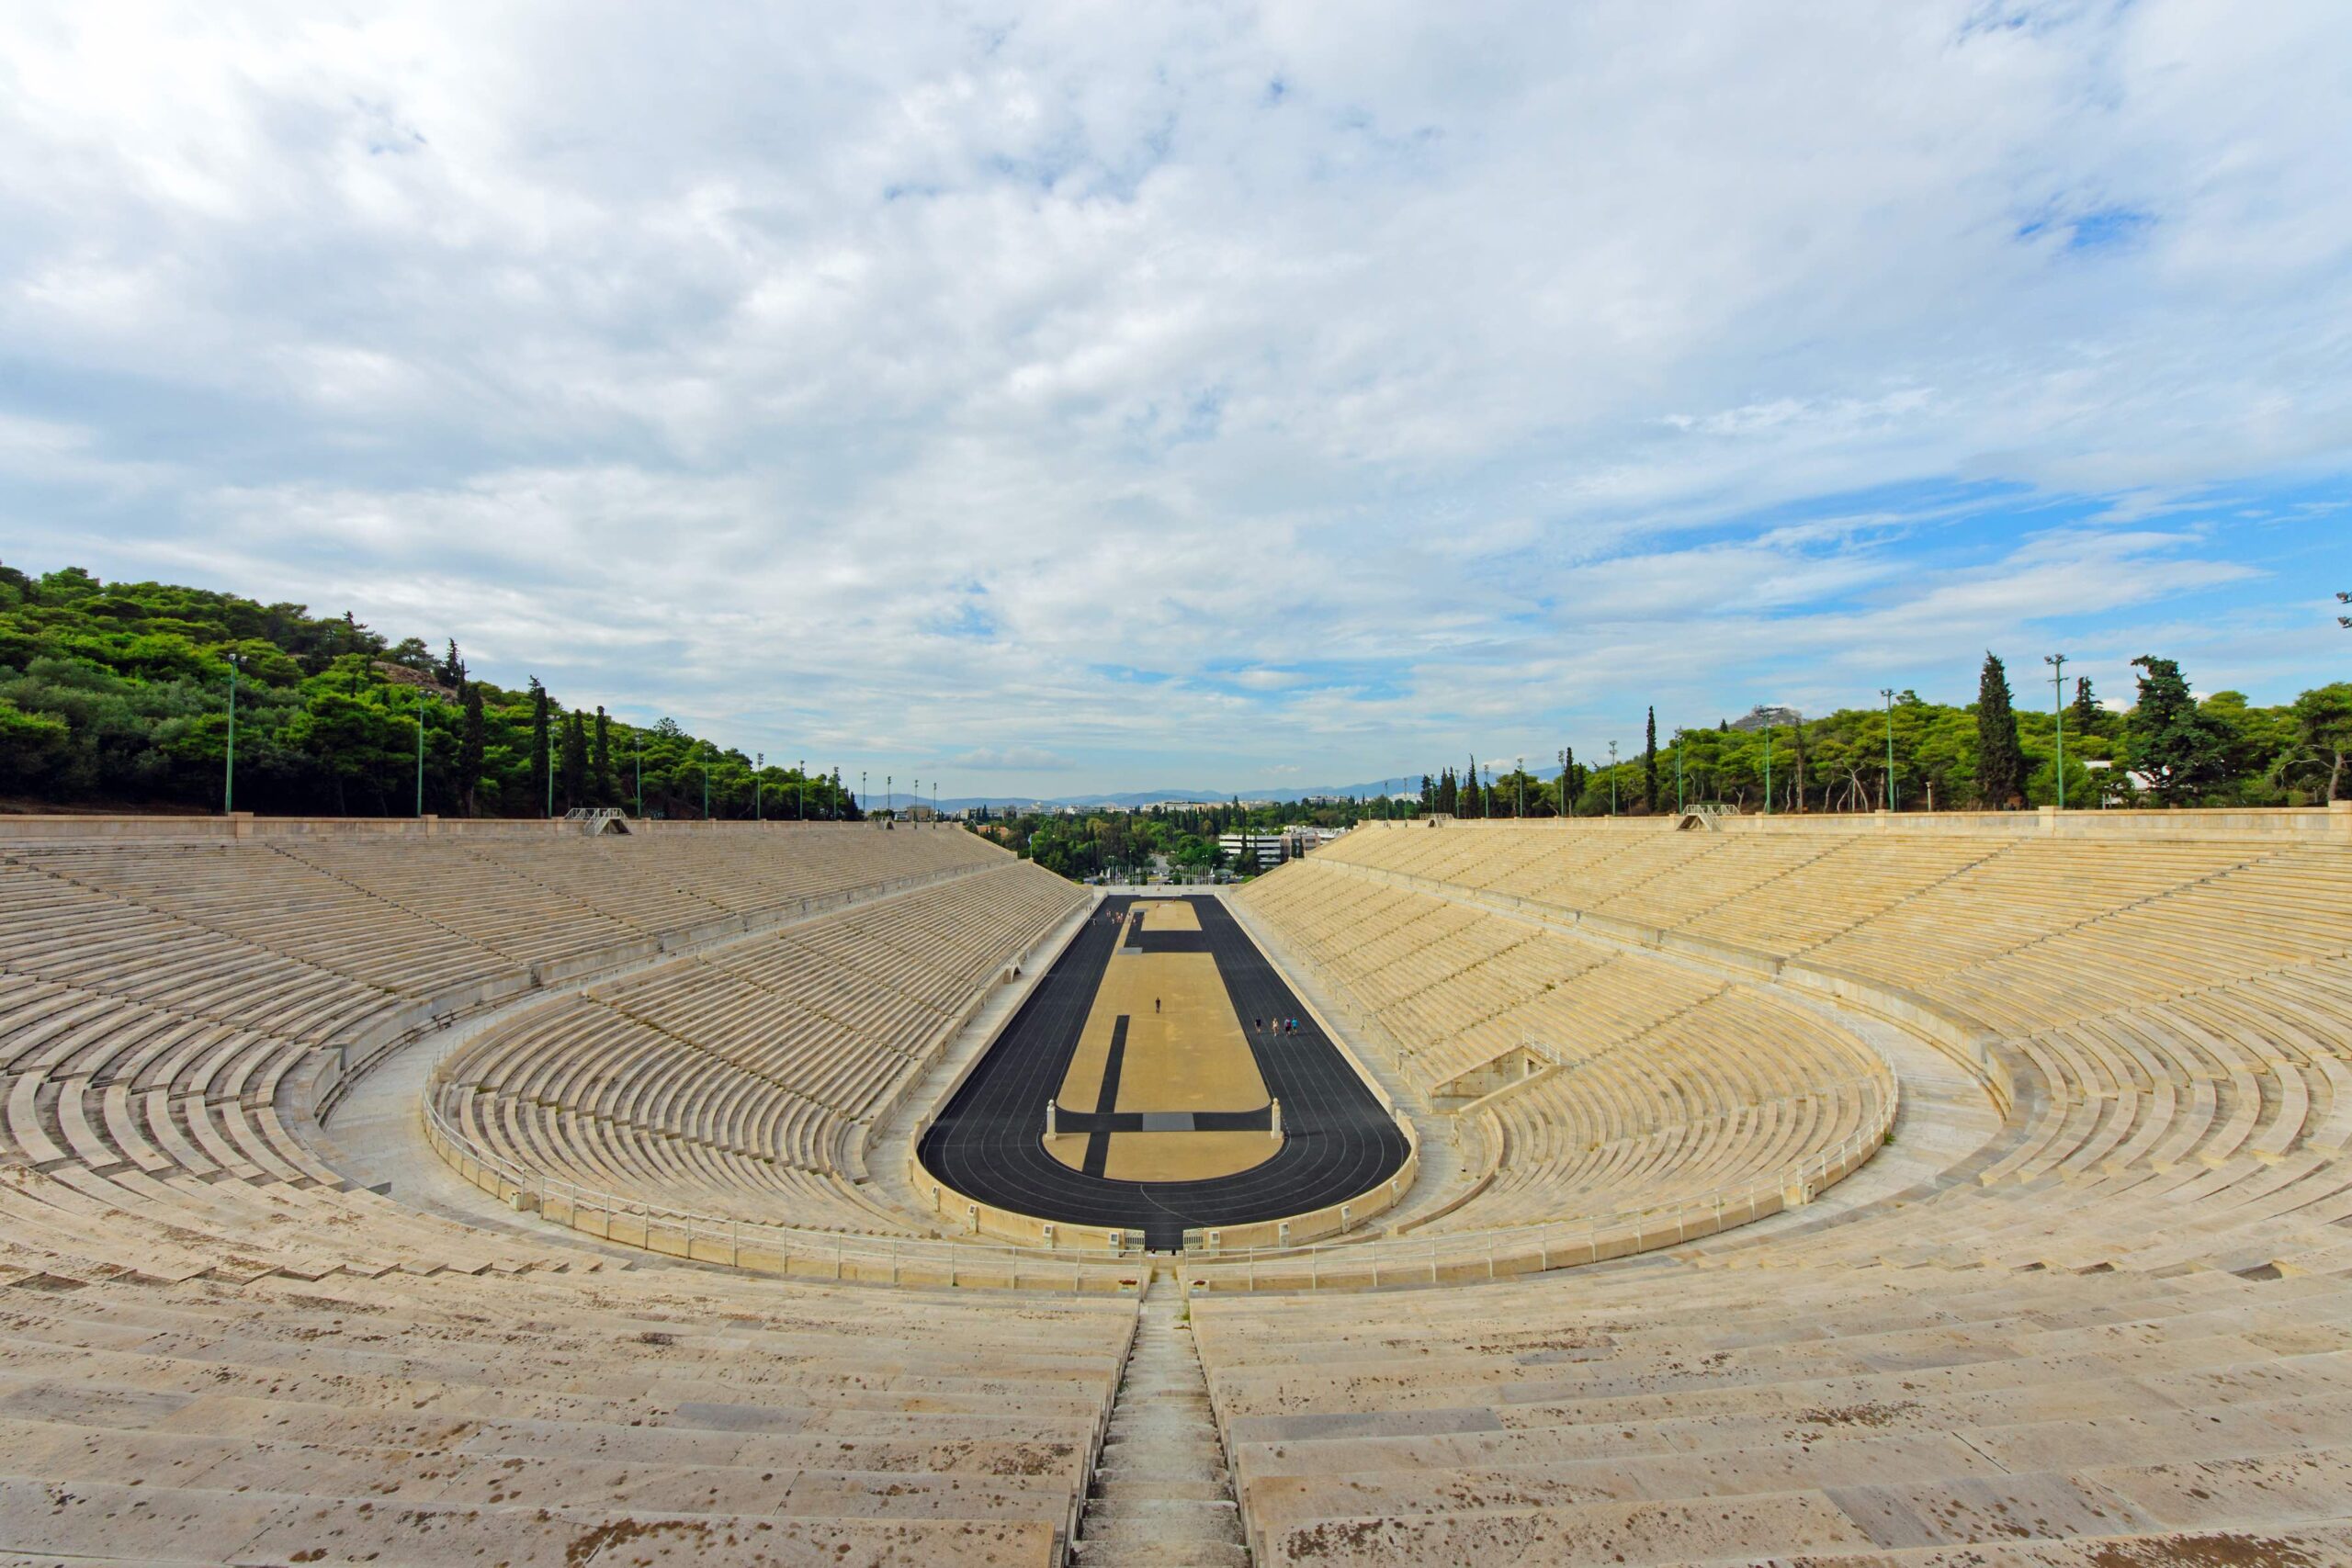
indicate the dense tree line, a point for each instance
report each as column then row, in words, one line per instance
column 120, row 695
column 2168, row 748
column 1124, row 844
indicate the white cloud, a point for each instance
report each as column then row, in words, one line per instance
column 1013, row 759
column 1384, row 382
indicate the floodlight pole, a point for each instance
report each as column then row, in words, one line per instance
column 229, row 770
column 1612, row 778
column 1677, row 773
column 759, row 787
column 1767, row 770
column 2057, row 663
column 1519, row 782
column 804, row 789
column 638, row 736
column 1889, row 695
column 861, row 792
column 706, row 781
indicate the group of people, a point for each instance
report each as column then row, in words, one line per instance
column 1274, row 1025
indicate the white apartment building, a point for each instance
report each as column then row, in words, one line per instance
column 1261, row 849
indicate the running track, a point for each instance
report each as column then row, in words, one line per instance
column 1336, row 1140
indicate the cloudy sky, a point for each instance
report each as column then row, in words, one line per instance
column 1059, row 398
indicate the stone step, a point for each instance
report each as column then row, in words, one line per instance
column 1182, row 1482
column 1164, row 1554
column 1148, row 1518
column 1160, row 1493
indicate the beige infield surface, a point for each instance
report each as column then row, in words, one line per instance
column 1185, row 1051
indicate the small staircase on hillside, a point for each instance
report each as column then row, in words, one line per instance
column 1162, row 1496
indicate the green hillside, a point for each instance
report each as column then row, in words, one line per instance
column 116, row 695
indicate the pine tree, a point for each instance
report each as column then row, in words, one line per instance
column 1449, row 794
column 2082, row 713
column 604, row 759
column 1568, row 781
column 2176, row 746
column 472, row 742
column 539, row 756
column 1474, row 803
column 575, row 761
column 1649, row 765
column 453, row 668
column 2000, row 761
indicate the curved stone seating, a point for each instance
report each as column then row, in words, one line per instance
column 218, row 1349
column 737, row 1083
column 1671, row 1086
column 2119, row 1333
column 163, row 1003
column 1718, row 1098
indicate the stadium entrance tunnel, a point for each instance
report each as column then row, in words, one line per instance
column 1162, row 1077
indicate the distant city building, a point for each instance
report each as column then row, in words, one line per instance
column 1264, row 849
column 1298, row 840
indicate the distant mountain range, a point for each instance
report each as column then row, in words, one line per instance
column 1132, row 798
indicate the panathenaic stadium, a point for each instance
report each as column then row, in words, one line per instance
column 1934, row 1190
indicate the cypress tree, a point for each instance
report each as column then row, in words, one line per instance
column 1798, row 772
column 604, row 759
column 2082, row 713
column 1568, row 781
column 472, row 742
column 1649, row 764
column 539, row 742
column 2000, row 761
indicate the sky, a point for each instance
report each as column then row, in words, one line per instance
column 1060, row 398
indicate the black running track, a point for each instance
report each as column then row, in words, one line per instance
column 1336, row 1142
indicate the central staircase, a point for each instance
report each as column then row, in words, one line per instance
column 1162, row 1496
